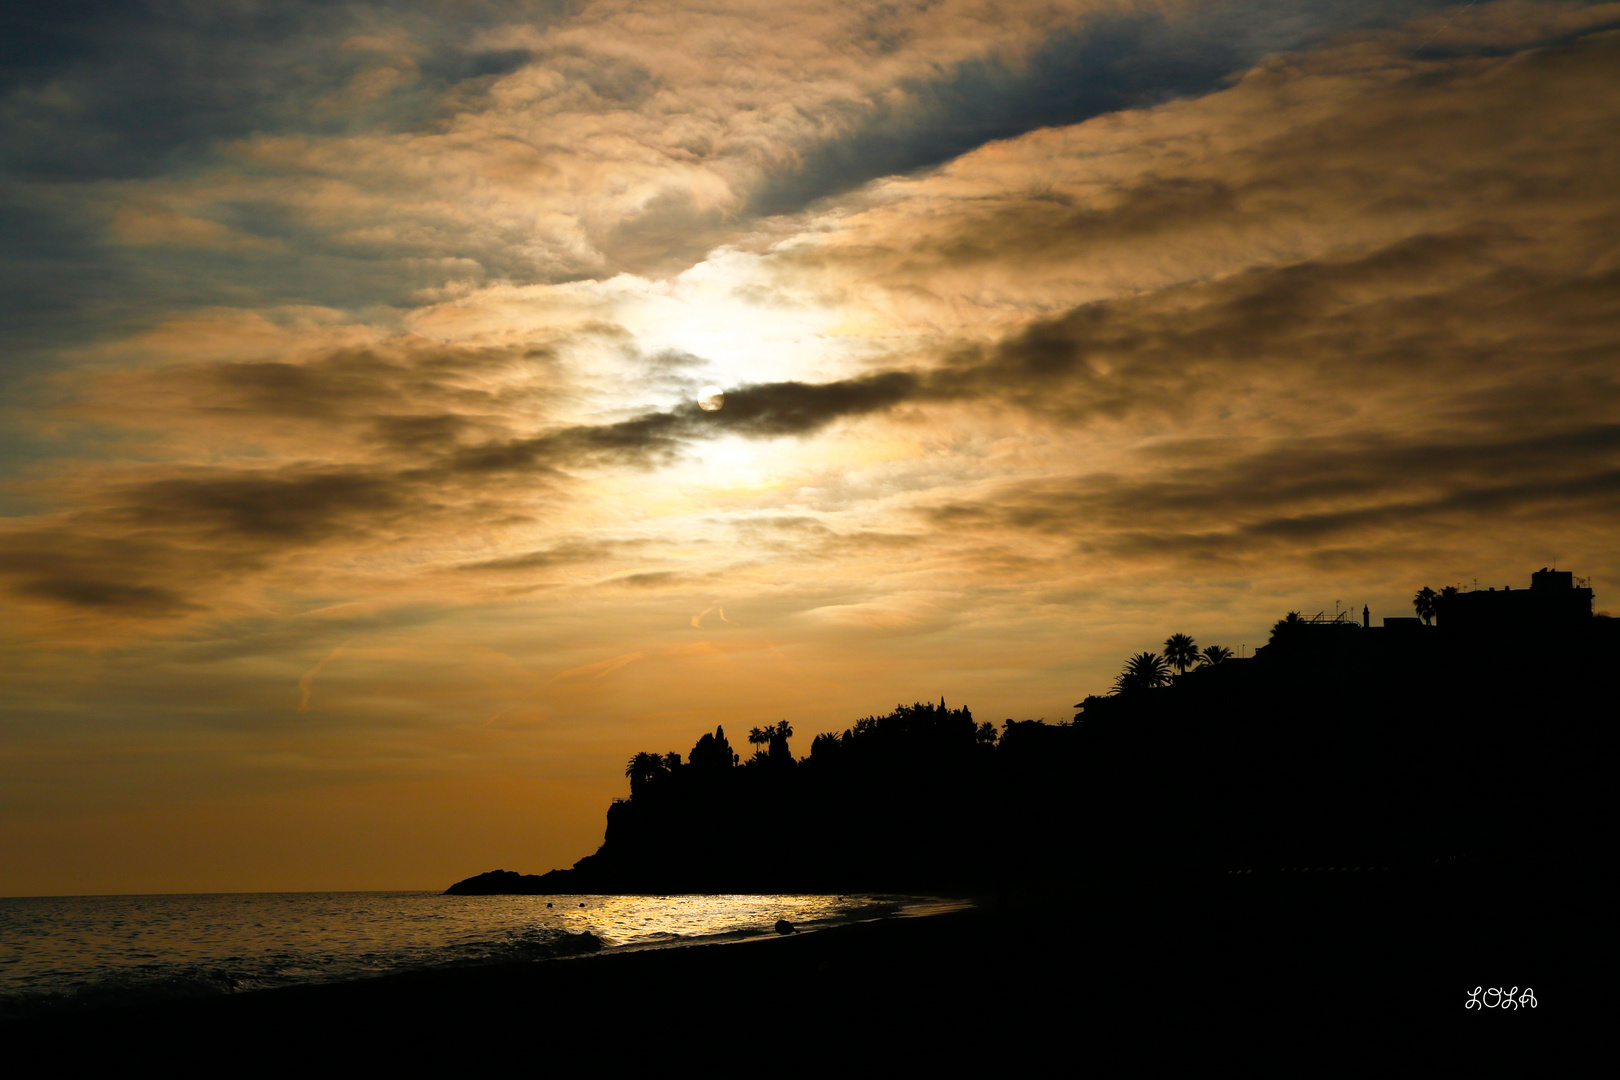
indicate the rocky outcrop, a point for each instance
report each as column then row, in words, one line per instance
column 509, row 883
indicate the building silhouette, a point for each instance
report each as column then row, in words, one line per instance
column 1553, row 603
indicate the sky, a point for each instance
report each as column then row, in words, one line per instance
column 358, row 517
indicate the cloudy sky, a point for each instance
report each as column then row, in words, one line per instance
column 357, row 517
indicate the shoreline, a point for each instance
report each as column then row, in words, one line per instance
column 1377, row 951
column 615, row 994
column 84, row 958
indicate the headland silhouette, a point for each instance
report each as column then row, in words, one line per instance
column 1469, row 732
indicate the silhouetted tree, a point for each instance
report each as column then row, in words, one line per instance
column 1287, row 628
column 777, row 737
column 1181, row 652
column 1424, row 603
column 712, row 752
column 641, row 770
column 825, row 747
column 1142, row 671
column 986, row 733
column 772, row 740
column 1214, row 654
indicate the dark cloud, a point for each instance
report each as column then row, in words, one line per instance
column 757, row 410
column 408, row 400
column 290, row 506
column 143, row 87
column 795, row 408
column 1107, row 65
column 570, row 553
column 641, row 442
column 650, row 578
column 1120, row 60
column 359, row 383
column 69, row 565
column 1403, row 315
column 145, row 600
column 424, row 434
column 1422, row 308
column 328, row 387
column 1300, row 494
column 157, row 548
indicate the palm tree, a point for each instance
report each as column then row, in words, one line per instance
column 772, row 740
column 1287, row 628
column 1444, row 598
column 1424, row 603
column 1142, row 671
column 777, row 735
column 1214, row 654
column 1181, row 651
column 641, row 769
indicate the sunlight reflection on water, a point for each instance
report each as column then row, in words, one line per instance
column 108, row 949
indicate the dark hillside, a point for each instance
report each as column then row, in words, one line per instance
column 1337, row 745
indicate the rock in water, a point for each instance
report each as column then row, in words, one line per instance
column 785, row 927
column 571, row 944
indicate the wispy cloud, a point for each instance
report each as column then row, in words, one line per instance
column 600, row 668
column 306, row 681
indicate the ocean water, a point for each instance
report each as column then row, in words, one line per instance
column 63, row 953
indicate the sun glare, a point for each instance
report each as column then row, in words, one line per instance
column 732, row 463
column 727, row 312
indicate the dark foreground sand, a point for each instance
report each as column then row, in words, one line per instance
column 1192, row 970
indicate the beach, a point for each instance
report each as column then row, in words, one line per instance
column 1341, row 947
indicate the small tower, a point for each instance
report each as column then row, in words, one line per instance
column 1366, row 618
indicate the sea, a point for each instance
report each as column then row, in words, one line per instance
column 70, row 953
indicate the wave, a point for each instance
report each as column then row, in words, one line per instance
column 55, row 993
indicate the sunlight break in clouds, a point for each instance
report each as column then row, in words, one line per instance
column 1044, row 331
